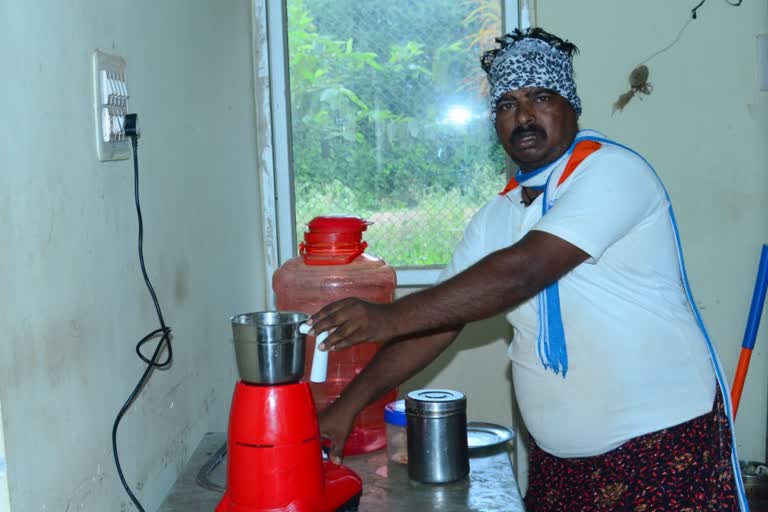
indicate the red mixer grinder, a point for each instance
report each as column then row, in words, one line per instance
column 274, row 456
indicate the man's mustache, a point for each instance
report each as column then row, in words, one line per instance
column 522, row 131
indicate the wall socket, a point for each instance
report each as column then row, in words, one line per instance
column 110, row 105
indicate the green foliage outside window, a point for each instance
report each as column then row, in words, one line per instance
column 370, row 82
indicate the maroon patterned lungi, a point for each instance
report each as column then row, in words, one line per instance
column 685, row 468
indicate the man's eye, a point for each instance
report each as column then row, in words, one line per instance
column 543, row 98
column 505, row 105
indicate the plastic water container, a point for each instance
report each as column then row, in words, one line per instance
column 333, row 265
column 397, row 436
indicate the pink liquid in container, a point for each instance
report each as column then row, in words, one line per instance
column 332, row 265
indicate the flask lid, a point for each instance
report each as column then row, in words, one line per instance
column 333, row 240
column 435, row 401
column 394, row 413
column 339, row 224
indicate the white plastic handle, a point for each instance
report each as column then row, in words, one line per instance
column 319, row 370
column 319, row 360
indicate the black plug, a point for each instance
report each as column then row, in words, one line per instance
column 131, row 126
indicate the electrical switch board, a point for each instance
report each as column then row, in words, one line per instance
column 110, row 94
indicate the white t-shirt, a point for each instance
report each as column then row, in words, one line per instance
column 637, row 361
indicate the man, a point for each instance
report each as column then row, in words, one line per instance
column 615, row 377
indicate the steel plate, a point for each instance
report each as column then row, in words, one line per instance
column 481, row 435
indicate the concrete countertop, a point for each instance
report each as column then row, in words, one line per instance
column 491, row 485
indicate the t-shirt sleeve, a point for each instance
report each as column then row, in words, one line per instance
column 606, row 197
column 468, row 250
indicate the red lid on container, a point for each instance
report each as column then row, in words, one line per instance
column 338, row 224
column 333, row 240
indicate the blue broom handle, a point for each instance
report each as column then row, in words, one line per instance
column 758, row 301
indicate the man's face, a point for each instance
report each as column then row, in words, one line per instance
column 535, row 126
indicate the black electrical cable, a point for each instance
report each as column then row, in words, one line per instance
column 698, row 6
column 165, row 340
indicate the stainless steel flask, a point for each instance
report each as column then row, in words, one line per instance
column 436, row 423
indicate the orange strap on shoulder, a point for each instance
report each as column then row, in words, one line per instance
column 581, row 151
column 511, row 185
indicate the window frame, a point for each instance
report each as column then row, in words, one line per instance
column 272, row 95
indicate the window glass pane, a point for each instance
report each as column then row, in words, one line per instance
column 390, row 119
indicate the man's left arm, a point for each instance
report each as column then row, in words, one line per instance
column 499, row 281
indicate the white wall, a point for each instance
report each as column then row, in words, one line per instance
column 73, row 304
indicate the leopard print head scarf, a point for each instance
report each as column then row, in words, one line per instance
column 531, row 58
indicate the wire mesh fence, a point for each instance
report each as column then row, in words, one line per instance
column 390, row 119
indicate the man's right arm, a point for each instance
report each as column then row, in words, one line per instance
column 392, row 365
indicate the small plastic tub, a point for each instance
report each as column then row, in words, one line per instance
column 397, row 440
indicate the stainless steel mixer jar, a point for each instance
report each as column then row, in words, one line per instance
column 269, row 348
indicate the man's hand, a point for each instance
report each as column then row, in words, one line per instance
column 390, row 367
column 351, row 321
column 335, row 425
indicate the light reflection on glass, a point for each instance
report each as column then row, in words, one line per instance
column 458, row 115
